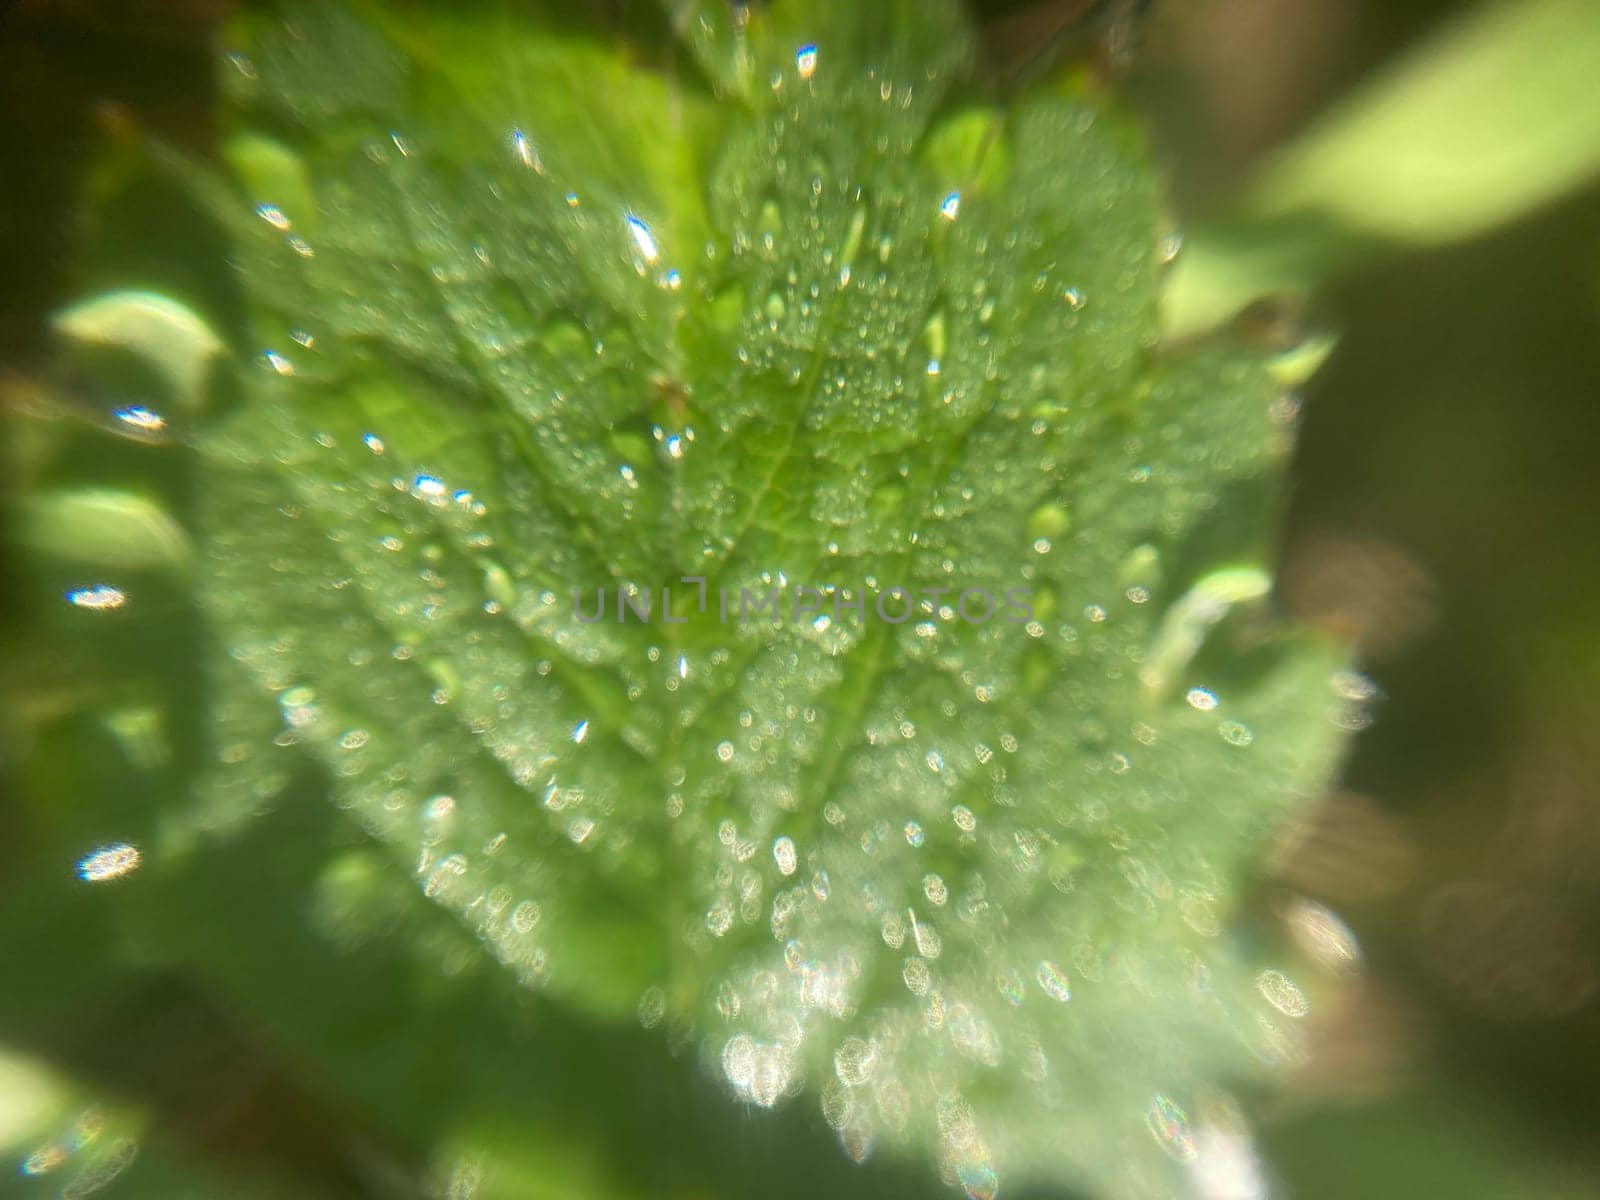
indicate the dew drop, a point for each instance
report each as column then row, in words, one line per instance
column 525, row 916
column 522, row 146
column 137, row 416
column 854, row 1060
column 273, row 215
column 1328, row 939
column 100, row 597
column 1282, row 993
column 1053, row 981
column 916, row 976
column 652, row 1007
column 44, row 1160
column 978, row 1180
column 108, row 862
column 1235, row 733
column 739, row 1060
column 439, row 808
column 642, row 238
column 1169, row 1125
column 784, row 854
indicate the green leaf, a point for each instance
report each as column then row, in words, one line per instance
column 528, row 319
column 160, row 336
column 112, row 528
column 1490, row 120
column 1482, row 124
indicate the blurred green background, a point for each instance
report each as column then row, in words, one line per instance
column 1444, row 509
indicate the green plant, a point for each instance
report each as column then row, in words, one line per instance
column 514, row 313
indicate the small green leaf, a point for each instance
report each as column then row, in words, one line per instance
column 100, row 525
column 166, row 337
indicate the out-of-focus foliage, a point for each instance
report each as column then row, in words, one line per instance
column 59, row 1141
column 1488, row 120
